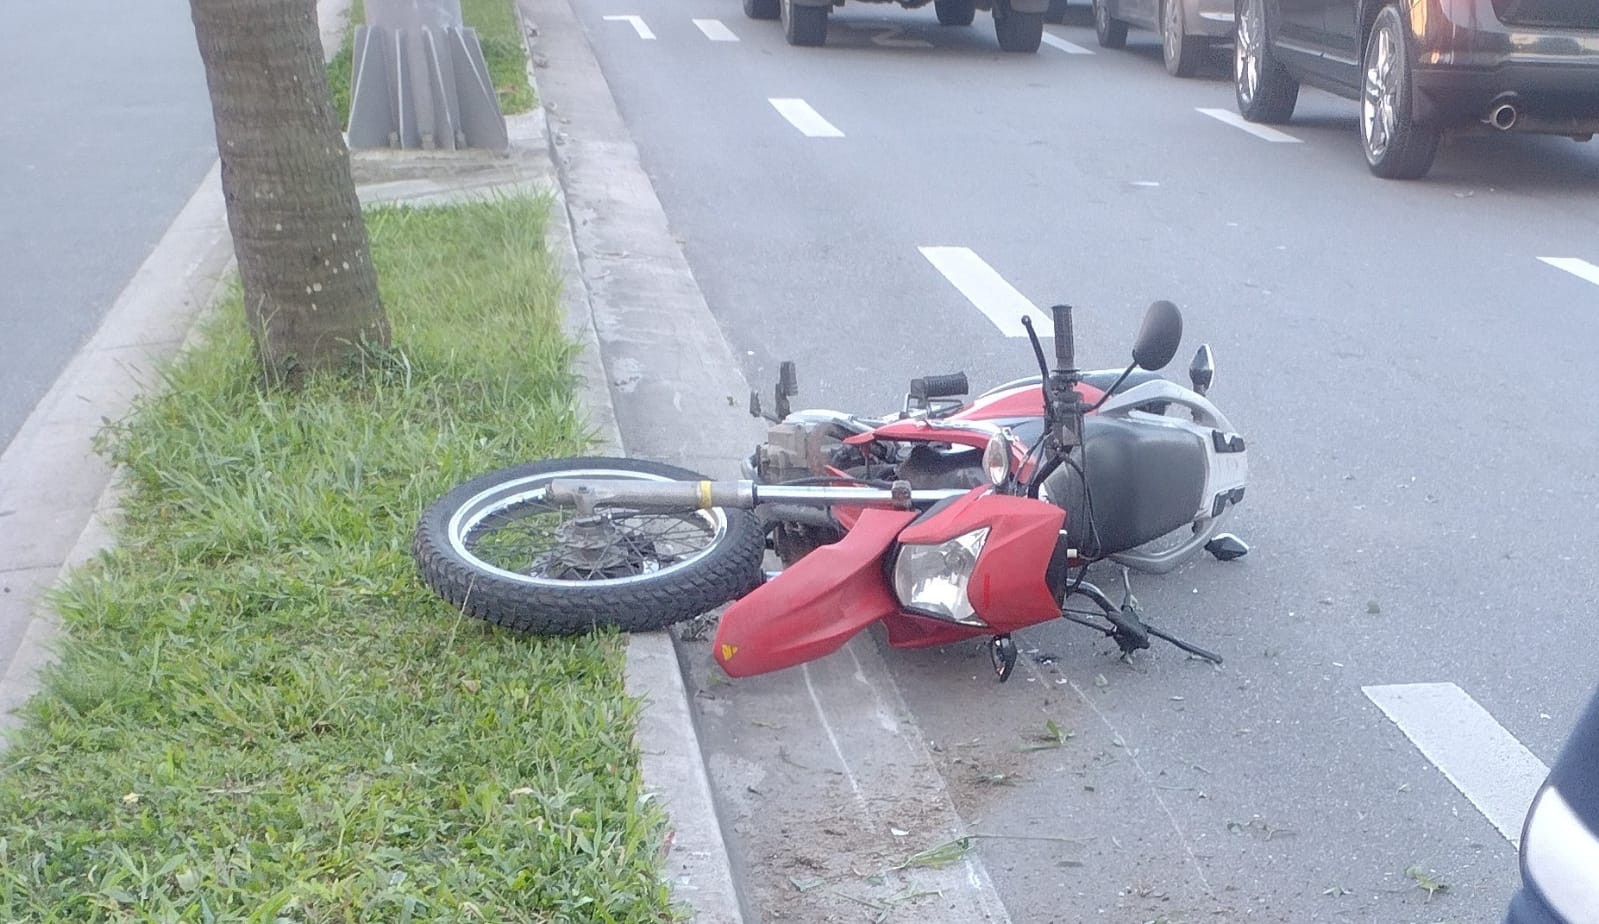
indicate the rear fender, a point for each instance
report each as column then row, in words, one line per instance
column 815, row 605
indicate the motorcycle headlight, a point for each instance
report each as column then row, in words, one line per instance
column 932, row 579
column 997, row 459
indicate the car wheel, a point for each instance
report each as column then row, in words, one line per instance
column 955, row 12
column 763, row 9
column 1396, row 147
column 1182, row 52
column 1056, row 12
column 1019, row 32
column 1111, row 32
column 1265, row 91
column 804, row 25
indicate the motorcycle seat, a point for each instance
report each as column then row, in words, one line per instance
column 1143, row 480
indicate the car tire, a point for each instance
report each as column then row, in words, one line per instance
column 1182, row 52
column 804, row 25
column 1264, row 89
column 1018, row 32
column 1056, row 12
column 955, row 12
column 1111, row 32
column 1396, row 147
column 763, row 9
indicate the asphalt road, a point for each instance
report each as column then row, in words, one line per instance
column 105, row 131
column 1409, row 369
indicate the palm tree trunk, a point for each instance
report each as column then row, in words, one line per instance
column 310, row 291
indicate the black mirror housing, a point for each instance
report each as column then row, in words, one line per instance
column 1159, row 337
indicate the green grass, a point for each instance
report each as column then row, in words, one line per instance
column 260, row 715
column 503, row 52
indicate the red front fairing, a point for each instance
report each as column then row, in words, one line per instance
column 1009, row 588
column 816, row 605
column 830, row 595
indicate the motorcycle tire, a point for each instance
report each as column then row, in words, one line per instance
column 642, row 571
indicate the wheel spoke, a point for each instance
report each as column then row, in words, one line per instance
column 522, row 536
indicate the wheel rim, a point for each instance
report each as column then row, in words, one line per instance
column 1246, row 55
column 1379, row 99
column 1101, row 17
column 509, row 530
column 1171, row 36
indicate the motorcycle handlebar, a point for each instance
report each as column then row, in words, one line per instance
column 1065, row 348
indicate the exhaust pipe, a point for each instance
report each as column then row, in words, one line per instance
column 1504, row 116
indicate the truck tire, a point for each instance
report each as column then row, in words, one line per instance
column 804, row 25
column 1018, row 32
column 955, row 12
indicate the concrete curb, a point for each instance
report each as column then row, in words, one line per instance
column 58, row 495
column 697, row 864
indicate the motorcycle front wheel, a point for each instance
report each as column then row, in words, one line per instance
column 495, row 550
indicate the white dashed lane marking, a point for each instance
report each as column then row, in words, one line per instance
column 1484, row 761
column 716, row 30
column 800, row 114
column 637, row 22
column 1266, row 133
column 1582, row 269
column 1055, row 41
column 988, row 291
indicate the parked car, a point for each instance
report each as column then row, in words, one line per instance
column 1187, row 27
column 1560, row 840
column 1421, row 68
column 1019, row 24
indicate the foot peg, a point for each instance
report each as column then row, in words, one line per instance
column 1226, row 547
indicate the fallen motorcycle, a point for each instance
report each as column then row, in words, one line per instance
column 948, row 520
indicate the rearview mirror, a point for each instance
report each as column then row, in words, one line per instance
column 1159, row 336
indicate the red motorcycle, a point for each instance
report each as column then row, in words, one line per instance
column 947, row 521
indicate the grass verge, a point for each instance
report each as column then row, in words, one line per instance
column 260, row 715
column 503, row 52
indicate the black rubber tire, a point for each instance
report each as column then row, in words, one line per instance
column 1272, row 98
column 955, row 12
column 763, row 9
column 728, row 568
column 1401, row 150
column 1056, row 12
column 1111, row 32
column 1181, row 52
column 1021, row 33
column 804, row 25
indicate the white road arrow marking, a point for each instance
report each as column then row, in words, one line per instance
column 988, row 291
column 715, row 30
column 1484, row 761
column 1259, row 131
column 800, row 114
column 1582, row 269
column 637, row 22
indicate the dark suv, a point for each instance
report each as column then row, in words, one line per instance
column 1424, row 67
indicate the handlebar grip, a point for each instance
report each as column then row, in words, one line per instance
column 939, row 386
column 1065, row 346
